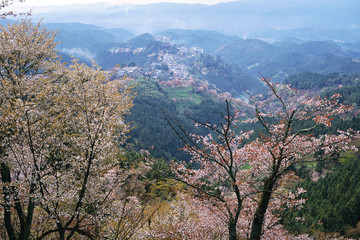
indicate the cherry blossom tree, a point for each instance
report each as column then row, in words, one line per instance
column 25, row 50
column 183, row 218
column 244, row 181
column 61, row 127
column 285, row 144
column 132, row 207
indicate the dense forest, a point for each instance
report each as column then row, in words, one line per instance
column 333, row 201
column 310, row 80
column 153, row 104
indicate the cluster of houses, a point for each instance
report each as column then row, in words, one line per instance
column 167, row 66
column 171, row 71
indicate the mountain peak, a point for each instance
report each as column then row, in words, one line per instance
column 142, row 40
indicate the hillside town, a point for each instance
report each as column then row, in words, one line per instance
column 168, row 65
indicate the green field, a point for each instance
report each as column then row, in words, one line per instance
column 182, row 97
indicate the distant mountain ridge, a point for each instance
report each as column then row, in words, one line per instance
column 280, row 59
column 254, row 57
column 273, row 20
column 86, row 41
column 208, row 40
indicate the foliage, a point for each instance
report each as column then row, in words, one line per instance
column 149, row 129
column 160, row 170
column 349, row 94
column 151, row 132
column 60, row 131
column 244, row 182
column 309, row 80
column 333, row 203
column 182, row 219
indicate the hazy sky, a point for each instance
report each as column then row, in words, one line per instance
column 65, row 2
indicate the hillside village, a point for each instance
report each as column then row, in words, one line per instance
column 169, row 68
column 168, row 60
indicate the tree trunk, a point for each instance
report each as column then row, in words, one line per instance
column 61, row 234
column 232, row 230
column 6, row 178
column 257, row 224
column 8, row 193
